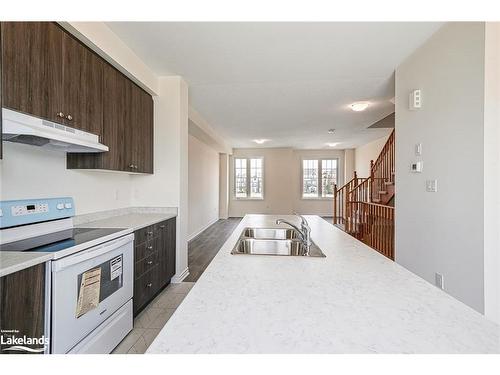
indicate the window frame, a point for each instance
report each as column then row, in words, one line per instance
column 319, row 181
column 248, row 179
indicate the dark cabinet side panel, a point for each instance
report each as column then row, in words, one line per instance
column 32, row 68
column 1, row 105
column 83, row 86
column 147, row 133
column 22, row 301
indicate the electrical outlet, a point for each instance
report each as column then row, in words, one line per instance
column 439, row 281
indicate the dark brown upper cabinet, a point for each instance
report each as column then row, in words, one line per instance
column 48, row 73
column 82, row 86
column 127, row 128
column 1, row 142
column 32, row 74
column 139, row 135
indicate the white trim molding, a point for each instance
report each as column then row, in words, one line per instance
column 178, row 278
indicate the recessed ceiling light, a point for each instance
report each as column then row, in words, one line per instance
column 359, row 106
column 332, row 144
column 261, row 141
column 331, row 131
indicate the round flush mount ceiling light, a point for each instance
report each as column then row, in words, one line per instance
column 332, row 144
column 331, row 131
column 261, row 141
column 359, row 106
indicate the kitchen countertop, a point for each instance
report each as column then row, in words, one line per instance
column 13, row 261
column 353, row 301
column 133, row 221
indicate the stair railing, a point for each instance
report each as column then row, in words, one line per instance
column 382, row 170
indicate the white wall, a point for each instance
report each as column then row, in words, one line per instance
column 282, row 184
column 203, row 186
column 443, row 232
column 365, row 153
column 223, row 186
column 29, row 172
column 349, row 163
column 492, row 172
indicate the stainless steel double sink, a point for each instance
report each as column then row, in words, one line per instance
column 273, row 241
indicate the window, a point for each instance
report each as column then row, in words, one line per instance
column 248, row 178
column 318, row 178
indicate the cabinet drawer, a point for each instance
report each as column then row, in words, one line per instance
column 145, row 234
column 146, row 264
column 145, row 249
column 145, row 287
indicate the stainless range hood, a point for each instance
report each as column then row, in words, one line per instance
column 21, row 128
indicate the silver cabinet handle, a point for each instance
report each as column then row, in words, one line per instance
column 60, row 114
column 162, row 226
column 69, row 117
column 150, row 247
column 131, row 166
column 150, row 262
column 150, row 233
column 149, row 285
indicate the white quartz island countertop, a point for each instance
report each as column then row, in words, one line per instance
column 353, row 301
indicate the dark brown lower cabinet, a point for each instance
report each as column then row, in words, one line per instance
column 154, row 258
column 22, row 307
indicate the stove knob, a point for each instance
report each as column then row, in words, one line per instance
column 60, row 206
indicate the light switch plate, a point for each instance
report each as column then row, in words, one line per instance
column 418, row 149
column 431, row 186
column 415, row 100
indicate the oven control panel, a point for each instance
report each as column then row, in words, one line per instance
column 30, row 211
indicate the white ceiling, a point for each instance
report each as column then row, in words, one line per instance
column 288, row 82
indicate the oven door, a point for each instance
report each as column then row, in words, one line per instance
column 87, row 288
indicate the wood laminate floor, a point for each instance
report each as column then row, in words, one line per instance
column 202, row 248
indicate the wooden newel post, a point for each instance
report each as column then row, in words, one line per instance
column 355, row 178
column 335, row 204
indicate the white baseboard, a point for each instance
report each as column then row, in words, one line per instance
column 178, row 278
column 194, row 235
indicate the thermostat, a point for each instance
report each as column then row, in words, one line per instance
column 416, row 167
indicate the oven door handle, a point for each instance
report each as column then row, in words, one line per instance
column 93, row 252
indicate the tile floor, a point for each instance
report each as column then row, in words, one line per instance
column 151, row 320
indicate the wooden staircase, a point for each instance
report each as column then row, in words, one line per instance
column 364, row 207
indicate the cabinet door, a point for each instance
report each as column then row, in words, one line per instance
column 116, row 118
column 83, row 86
column 22, row 301
column 140, row 131
column 32, row 68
